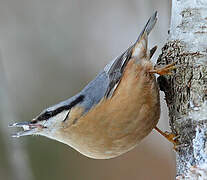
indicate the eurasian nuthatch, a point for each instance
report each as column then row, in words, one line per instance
column 114, row 112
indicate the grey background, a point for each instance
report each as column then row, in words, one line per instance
column 49, row 51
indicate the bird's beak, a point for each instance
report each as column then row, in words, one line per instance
column 29, row 128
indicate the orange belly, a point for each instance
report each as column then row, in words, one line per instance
column 119, row 123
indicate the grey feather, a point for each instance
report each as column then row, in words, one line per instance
column 115, row 71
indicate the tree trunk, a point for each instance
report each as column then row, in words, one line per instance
column 186, row 88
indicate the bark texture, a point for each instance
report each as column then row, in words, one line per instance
column 186, row 88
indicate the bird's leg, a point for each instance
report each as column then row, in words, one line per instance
column 173, row 138
column 166, row 70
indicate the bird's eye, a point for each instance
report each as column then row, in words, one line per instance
column 47, row 114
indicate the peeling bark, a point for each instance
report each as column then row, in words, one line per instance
column 186, row 89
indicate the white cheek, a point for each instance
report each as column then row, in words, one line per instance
column 53, row 124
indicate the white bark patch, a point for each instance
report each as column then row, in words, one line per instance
column 189, row 23
column 198, row 113
column 195, row 173
column 199, row 144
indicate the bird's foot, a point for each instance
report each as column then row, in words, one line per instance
column 166, row 70
column 173, row 138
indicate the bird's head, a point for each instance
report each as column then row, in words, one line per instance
column 50, row 120
column 47, row 123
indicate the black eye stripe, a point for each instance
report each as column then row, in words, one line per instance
column 49, row 114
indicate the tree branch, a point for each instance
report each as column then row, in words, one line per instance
column 186, row 89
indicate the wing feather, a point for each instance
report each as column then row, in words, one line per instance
column 115, row 71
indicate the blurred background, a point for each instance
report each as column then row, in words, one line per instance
column 49, row 50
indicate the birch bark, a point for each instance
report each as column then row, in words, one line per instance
column 186, row 88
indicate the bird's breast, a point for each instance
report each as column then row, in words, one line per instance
column 117, row 124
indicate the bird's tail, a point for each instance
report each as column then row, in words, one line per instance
column 149, row 25
column 139, row 49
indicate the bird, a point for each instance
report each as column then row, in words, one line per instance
column 114, row 112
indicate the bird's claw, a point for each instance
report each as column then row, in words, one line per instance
column 166, row 70
column 173, row 138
